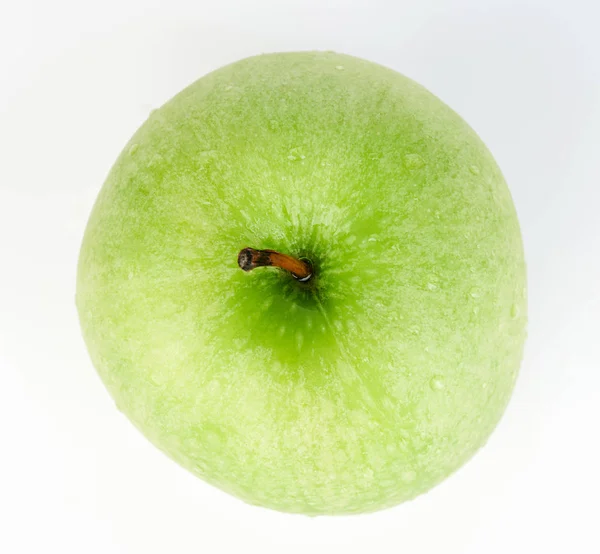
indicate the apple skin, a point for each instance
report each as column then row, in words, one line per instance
column 365, row 387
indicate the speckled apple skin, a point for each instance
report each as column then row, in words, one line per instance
column 360, row 390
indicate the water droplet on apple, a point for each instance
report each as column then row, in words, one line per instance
column 130, row 276
column 339, row 67
column 484, row 385
column 413, row 161
column 213, row 388
column 372, row 239
column 227, row 87
column 295, row 155
column 474, row 169
column 436, row 383
column 514, row 311
column 281, row 330
column 212, row 439
column 474, row 293
column 133, row 149
column 201, row 467
column 431, row 286
column 299, row 340
column 409, row 476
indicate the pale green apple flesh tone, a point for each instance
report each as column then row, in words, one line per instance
column 368, row 384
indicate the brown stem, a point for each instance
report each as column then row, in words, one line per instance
column 249, row 258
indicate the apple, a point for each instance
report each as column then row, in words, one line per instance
column 372, row 343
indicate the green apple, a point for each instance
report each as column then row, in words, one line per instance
column 357, row 385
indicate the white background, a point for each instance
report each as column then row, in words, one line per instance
column 76, row 80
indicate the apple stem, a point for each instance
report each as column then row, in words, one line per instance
column 249, row 258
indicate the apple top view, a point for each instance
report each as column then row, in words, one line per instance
column 303, row 280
